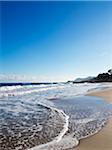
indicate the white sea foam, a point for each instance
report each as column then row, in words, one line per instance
column 58, row 142
column 13, row 91
column 65, row 143
column 60, row 90
column 44, row 92
column 10, row 88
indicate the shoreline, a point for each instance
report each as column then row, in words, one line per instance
column 106, row 94
column 102, row 139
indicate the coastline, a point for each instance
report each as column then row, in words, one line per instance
column 101, row 140
column 106, row 94
column 89, row 142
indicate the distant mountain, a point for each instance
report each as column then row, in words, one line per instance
column 83, row 79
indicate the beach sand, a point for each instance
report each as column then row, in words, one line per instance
column 103, row 139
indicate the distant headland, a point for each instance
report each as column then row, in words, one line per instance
column 102, row 77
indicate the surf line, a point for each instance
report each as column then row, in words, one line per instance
column 61, row 134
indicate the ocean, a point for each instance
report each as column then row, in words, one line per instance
column 50, row 116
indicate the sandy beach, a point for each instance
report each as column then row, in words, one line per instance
column 103, row 139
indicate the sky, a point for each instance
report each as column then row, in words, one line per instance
column 55, row 41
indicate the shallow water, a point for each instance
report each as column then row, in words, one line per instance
column 31, row 116
column 23, row 125
column 86, row 114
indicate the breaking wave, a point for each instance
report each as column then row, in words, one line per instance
column 49, row 117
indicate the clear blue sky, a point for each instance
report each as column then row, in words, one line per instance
column 56, row 40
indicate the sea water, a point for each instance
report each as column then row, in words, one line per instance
column 52, row 117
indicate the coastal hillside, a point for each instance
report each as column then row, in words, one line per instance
column 102, row 77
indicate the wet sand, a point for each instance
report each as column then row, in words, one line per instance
column 103, row 139
column 105, row 94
